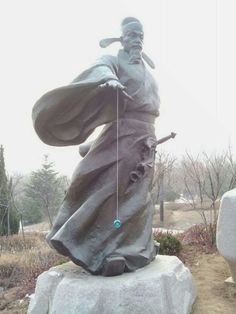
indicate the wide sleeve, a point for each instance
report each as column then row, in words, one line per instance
column 69, row 114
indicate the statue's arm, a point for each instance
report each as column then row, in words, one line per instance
column 69, row 114
column 104, row 70
column 110, row 63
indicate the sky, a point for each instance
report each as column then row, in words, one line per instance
column 46, row 44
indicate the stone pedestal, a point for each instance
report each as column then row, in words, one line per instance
column 226, row 231
column 165, row 287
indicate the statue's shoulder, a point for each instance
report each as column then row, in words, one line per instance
column 98, row 65
column 109, row 60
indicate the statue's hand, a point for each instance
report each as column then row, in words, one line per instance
column 113, row 84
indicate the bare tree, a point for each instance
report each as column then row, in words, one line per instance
column 232, row 170
column 215, row 176
column 206, row 178
column 163, row 168
column 194, row 181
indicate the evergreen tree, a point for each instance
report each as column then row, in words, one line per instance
column 9, row 218
column 44, row 192
column 30, row 209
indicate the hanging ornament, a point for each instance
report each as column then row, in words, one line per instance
column 117, row 222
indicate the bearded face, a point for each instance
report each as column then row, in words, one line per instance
column 132, row 41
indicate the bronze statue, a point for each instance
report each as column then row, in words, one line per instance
column 105, row 221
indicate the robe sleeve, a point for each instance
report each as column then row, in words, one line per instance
column 69, row 114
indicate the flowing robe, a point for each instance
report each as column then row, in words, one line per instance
column 83, row 229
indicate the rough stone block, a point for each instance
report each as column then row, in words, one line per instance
column 226, row 230
column 165, row 286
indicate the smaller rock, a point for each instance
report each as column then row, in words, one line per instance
column 229, row 281
column 226, row 230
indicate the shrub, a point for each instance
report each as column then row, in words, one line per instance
column 171, row 196
column 169, row 244
column 201, row 236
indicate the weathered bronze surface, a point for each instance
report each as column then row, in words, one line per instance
column 83, row 229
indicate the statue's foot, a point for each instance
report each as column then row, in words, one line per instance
column 113, row 266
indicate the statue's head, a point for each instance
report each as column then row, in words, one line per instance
column 132, row 34
column 131, row 40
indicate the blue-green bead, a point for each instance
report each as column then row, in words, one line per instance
column 117, row 223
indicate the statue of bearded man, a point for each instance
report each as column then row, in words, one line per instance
column 105, row 221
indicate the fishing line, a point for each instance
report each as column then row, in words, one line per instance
column 117, row 222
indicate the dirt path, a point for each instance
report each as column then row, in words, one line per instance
column 214, row 296
column 180, row 219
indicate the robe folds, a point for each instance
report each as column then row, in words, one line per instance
column 83, row 228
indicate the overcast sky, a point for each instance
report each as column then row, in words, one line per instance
column 45, row 44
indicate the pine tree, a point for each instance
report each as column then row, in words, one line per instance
column 9, row 219
column 46, row 190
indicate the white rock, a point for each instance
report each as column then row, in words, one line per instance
column 226, row 230
column 165, row 287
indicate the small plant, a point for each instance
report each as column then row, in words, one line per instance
column 169, row 244
column 202, row 236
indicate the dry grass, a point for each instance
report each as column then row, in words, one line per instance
column 18, row 243
column 22, row 260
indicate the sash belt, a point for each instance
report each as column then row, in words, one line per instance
column 139, row 115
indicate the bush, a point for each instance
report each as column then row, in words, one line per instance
column 169, row 244
column 171, row 196
column 201, row 236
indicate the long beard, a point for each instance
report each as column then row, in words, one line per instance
column 135, row 55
